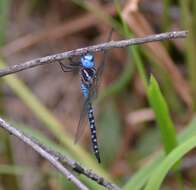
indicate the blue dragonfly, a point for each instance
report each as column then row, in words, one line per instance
column 89, row 81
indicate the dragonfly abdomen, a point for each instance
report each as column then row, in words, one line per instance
column 93, row 132
column 88, row 75
column 85, row 90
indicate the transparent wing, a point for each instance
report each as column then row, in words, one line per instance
column 100, row 69
column 103, row 61
column 83, row 116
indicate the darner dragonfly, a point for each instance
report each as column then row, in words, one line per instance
column 89, row 83
column 88, row 86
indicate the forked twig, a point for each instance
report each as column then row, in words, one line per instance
column 77, row 167
column 94, row 48
column 27, row 140
column 60, row 162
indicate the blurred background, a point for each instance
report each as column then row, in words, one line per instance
column 46, row 103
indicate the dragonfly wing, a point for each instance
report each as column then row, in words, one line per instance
column 101, row 68
column 103, row 61
column 96, row 82
column 83, row 117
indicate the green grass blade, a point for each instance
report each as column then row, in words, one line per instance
column 13, row 170
column 139, row 179
column 188, row 132
column 161, row 111
column 142, row 176
column 187, row 10
column 166, row 20
column 119, row 85
column 98, row 12
column 160, row 173
column 127, row 74
column 133, row 50
column 4, row 10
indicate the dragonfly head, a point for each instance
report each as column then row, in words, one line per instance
column 87, row 60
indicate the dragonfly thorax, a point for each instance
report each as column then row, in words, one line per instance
column 87, row 61
column 88, row 75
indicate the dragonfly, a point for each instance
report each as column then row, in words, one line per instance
column 89, row 82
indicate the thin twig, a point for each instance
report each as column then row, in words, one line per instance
column 59, row 161
column 95, row 48
column 77, row 167
column 43, row 153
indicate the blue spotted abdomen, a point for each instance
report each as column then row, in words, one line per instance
column 92, row 125
column 91, row 119
column 85, row 90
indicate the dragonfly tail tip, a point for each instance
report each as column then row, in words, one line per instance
column 98, row 158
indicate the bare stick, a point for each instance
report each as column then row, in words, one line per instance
column 43, row 153
column 59, row 161
column 80, row 169
column 95, row 48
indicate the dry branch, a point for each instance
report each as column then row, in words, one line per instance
column 27, row 140
column 80, row 169
column 91, row 49
column 58, row 161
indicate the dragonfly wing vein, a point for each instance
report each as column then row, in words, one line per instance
column 80, row 128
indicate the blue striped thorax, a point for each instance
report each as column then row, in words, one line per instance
column 87, row 72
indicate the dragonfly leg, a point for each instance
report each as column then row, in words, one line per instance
column 73, row 63
column 67, row 68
